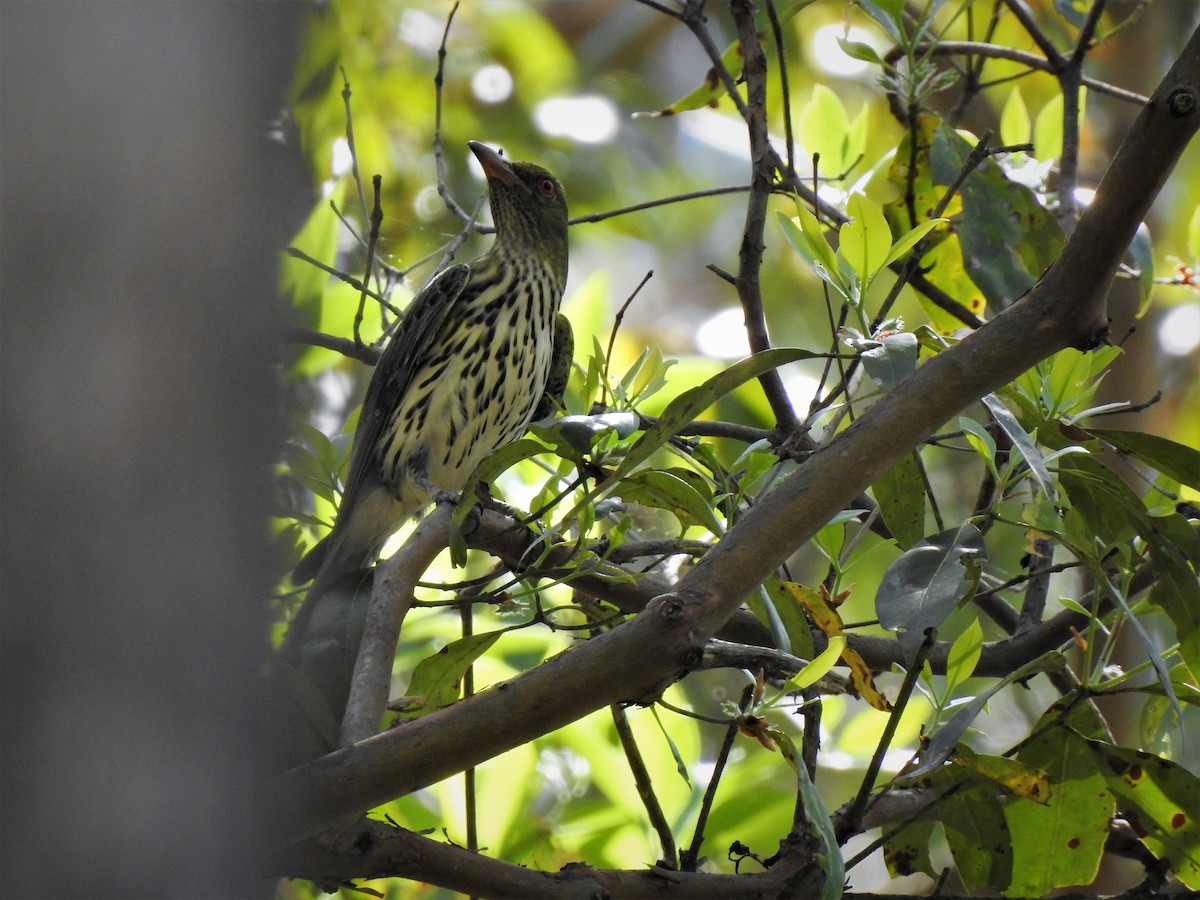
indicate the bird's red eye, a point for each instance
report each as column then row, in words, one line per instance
column 546, row 186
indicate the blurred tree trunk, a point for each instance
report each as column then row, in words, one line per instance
column 141, row 217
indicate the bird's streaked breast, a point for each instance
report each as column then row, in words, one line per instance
column 477, row 389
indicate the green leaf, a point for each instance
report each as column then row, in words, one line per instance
column 574, row 436
column 1008, row 238
column 900, row 493
column 945, row 268
column 1141, row 255
column 945, row 741
column 906, row 852
column 817, row 669
column 788, row 611
column 817, row 819
column 651, row 376
column 1178, row 593
column 921, row 588
column 1111, row 512
column 824, row 129
column 859, row 50
column 887, row 13
column 1173, row 459
column 500, row 461
column 1065, row 383
column 688, row 406
column 681, row 767
column 1048, row 129
column 982, row 442
column 892, row 360
column 713, row 88
column 866, row 240
column 964, row 655
column 1022, row 441
column 1058, row 842
column 909, row 240
column 807, row 238
column 1101, row 503
column 1162, row 802
column 1193, row 235
column 1015, row 124
column 1016, row 777
column 665, row 490
column 975, row 830
column 437, row 680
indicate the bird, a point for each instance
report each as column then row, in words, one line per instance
column 464, row 373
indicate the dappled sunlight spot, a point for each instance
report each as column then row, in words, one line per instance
column 801, row 386
column 832, row 194
column 828, row 55
column 717, row 131
column 723, row 336
column 565, row 774
column 588, row 119
column 334, row 388
column 492, row 83
column 427, row 204
column 340, row 160
column 851, row 761
column 421, row 31
column 1179, row 330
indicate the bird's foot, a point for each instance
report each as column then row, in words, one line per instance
column 436, row 494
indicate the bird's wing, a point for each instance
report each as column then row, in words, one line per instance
column 394, row 371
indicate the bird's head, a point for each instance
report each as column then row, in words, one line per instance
column 528, row 207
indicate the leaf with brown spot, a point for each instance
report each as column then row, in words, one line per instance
column 1162, row 798
column 820, row 606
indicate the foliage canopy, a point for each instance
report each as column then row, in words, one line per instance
column 939, row 577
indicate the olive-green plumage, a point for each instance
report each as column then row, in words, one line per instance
column 462, row 376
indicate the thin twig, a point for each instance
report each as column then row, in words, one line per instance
column 362, row 200
column 1070, row 79
column 701, row 428
column 658, row 7
column 810, row 744
column 1025, row 16
column 372, row 240
column 460, row 238
column 835, row 325
column 722, row 274
column 612, row 335
column 343, row 276
column 663, row 201
column 1024, row 57
column 785, row 95
column 689, row 859
column 438, row 158
column 344, row 346
column 471, row 810
column 910, row 681
column 645, row 787
column 1084, row 42
column 750, row 256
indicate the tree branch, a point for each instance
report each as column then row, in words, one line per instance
column 763, row 167
column 374, row 849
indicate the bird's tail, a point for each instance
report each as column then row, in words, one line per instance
column 319, row 652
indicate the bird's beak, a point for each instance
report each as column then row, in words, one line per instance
column 494, row 165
